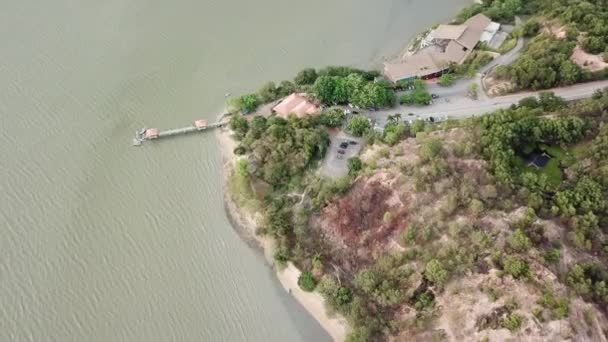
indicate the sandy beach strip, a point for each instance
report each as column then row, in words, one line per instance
column 246, row 223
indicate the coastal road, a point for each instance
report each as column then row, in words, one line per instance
column 458, row 107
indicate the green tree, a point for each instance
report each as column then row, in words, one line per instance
column 374, row 94
column 268, row 92
column 435, row 273
column 239, row 125
column 285, row 88
column 306, row 281
column 323, row 89
column 446, row 80
column 306, row 76
column 569, row 73
column 530, row 28
column 594, row 45
column 358, row 125
column 247, row 103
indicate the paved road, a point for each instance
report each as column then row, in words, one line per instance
column 461, row 107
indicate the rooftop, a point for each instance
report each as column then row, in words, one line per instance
column 296, row 103
column 416, row 65
column 449, row 31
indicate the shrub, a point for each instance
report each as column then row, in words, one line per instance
column 281, row 257
column 512, row 321
column 516, row 267
column 446, row 80
column 333, row 117
column 358, row 125
column 519, row 241
column 354, row 165
column 306, row 281
column 430, row 149
column 435, row 273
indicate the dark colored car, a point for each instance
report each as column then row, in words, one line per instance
column 352, row 142
column 410, row 114
column 431, row 119
column 344, row 145
column 341, row 151
column 435, row 96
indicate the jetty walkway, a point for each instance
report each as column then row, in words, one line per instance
column 154, row 133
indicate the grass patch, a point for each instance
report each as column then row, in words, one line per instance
column 553, row 172
column 580, row 150
column 507, row 45
column 242, row 192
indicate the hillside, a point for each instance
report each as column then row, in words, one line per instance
column 451, row 233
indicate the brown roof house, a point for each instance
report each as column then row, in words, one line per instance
column 446, row 44
column 421, row 65
column 296, row 103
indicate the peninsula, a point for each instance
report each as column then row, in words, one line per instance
column 459, row 194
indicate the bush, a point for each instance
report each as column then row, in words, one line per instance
column 430, row 149
column 446, row 80
column 435, row 273
column 519, row 241
column 358, row 125
column 354, row 165
column 512, row 321
column 307, row 282
column 416, row 96
column 247, row 103
column 417, row 126
column 333, row 117
column 516, row 267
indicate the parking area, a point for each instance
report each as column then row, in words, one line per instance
column 343, row 146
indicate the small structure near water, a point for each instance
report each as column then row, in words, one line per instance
column 154, row 133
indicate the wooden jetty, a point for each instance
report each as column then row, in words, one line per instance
column 154, row 133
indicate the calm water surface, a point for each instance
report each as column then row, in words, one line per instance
column 101, row 241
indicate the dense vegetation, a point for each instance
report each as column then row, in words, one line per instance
column 330, row 85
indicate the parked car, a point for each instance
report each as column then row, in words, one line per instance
column 410, row 114
column 431, row 119
column 339, row 156
column 435, row 96
column 344, row 145
column 352, row 142
column 341, row 151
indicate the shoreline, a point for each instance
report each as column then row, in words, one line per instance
column 245, row 225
